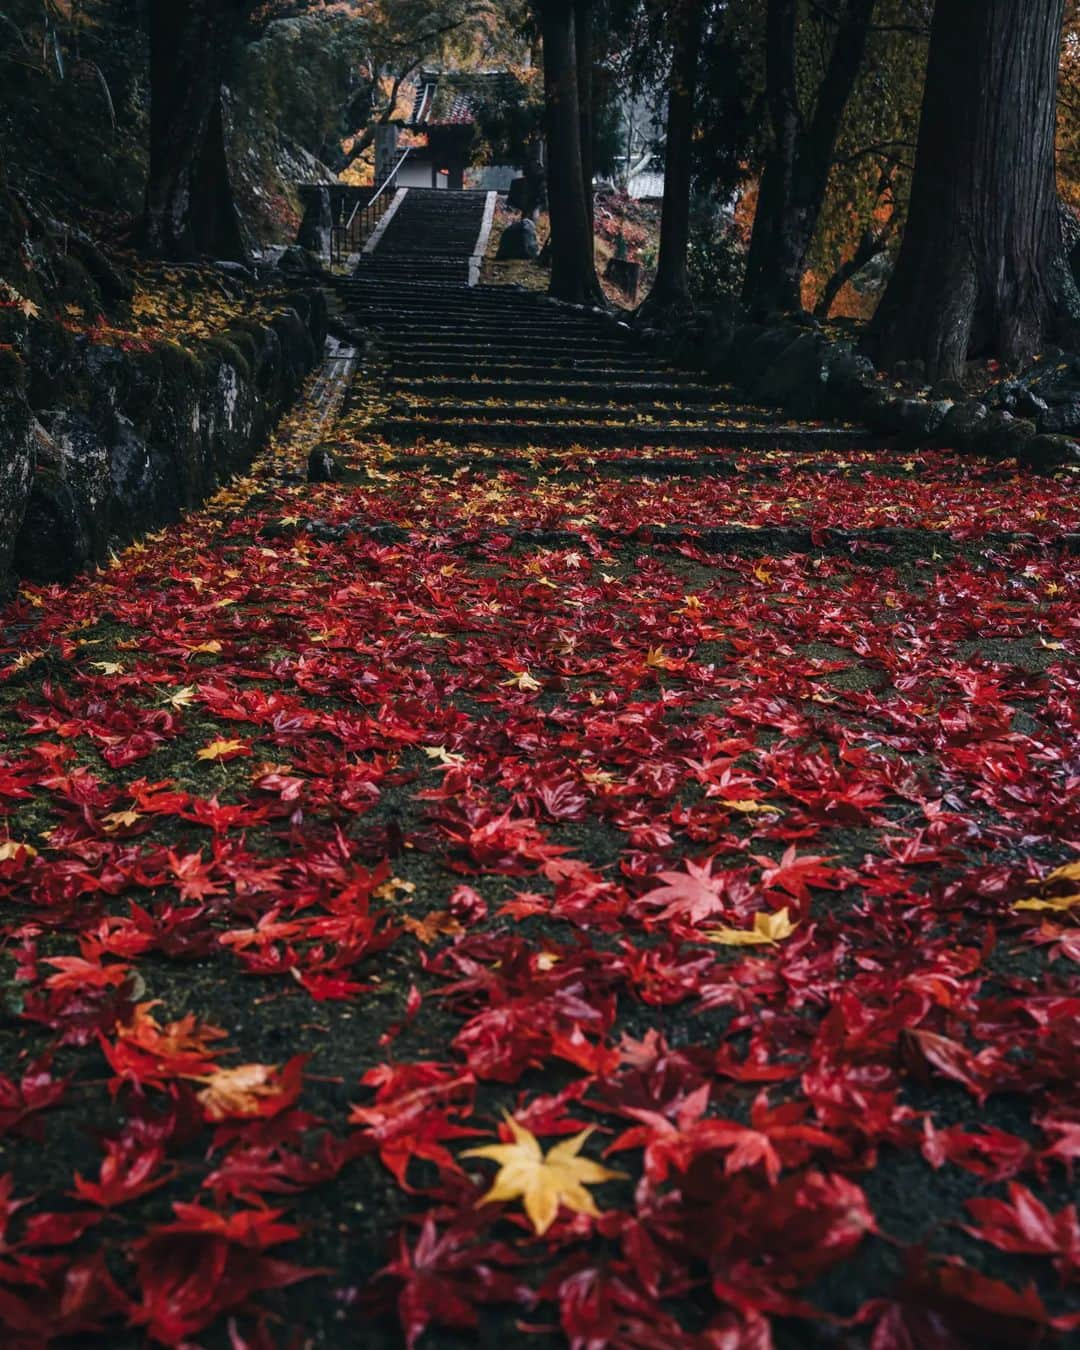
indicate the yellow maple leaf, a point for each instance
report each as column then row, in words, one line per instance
column 439, row 923
column 395, row 889
column 523, row 680
column 11, row 848
column 210, row 648
column 1060, row 903
column 543, row 1181
column 441, row 755
column 120, row 820
column 751, row 808
column 26, row 658
column 222, row 750
column 183, row 697
column 1067, row 872
column 769, row 928
column 108, row 667
column 239, row 1092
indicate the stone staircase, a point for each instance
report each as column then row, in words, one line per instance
column 429, row 239
column 498, row 366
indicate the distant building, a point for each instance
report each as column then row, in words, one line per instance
column 439, row 133
column 646, row 186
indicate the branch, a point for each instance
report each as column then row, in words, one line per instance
column 870, row 246
column 877, row 148
column 385, row 116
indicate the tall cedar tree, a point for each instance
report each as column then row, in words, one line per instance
column 190, row 207
column 982, row 269
column 796, row 173
column 573, row 263
column 670, row 294
column 584, row 44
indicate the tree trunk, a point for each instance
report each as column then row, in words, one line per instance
column 670, row 294
column 586, row 88
column 796, row 174
column 573, row 270
column 982, row 269
column 190, row 208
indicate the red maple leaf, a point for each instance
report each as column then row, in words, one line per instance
column 692, row 895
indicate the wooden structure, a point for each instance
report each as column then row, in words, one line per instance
column 440, row 129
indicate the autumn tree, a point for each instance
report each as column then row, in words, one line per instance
column 402, row 36
column 510, row 119
column 982, row 267
column 861, row 221
column 1068, row 113
column 804, row 134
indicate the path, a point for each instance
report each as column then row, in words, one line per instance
column 699, row 781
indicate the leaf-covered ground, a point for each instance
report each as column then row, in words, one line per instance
column 540, row 904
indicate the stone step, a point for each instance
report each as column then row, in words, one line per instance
column 410, row 430
column 483, row 350
column 388, row 253
column 588, row 416
column 454, row 272
column 367, row 281
column 492, row 327
column 387, row 258
column 448, row 271
column 628, row 369
column 446, row 299
column 386, row 262
column 366, row 277
column 652, row 389
column 411, row 314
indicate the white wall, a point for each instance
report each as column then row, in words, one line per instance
column 417, row 173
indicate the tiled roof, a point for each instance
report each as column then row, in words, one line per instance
column 448, row 98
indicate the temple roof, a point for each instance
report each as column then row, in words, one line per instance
column 450, row 98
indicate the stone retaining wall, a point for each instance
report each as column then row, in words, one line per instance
column 810, row 374
column 98, row 444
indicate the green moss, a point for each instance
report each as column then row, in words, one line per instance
column 245, row 342
column 178, row 365
column 226, row 350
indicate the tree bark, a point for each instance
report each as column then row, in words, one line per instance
column 796, row 173
column 584, row 45
column 670, row 294
column 573, row 269
column 982, row 269
column 190, row 209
